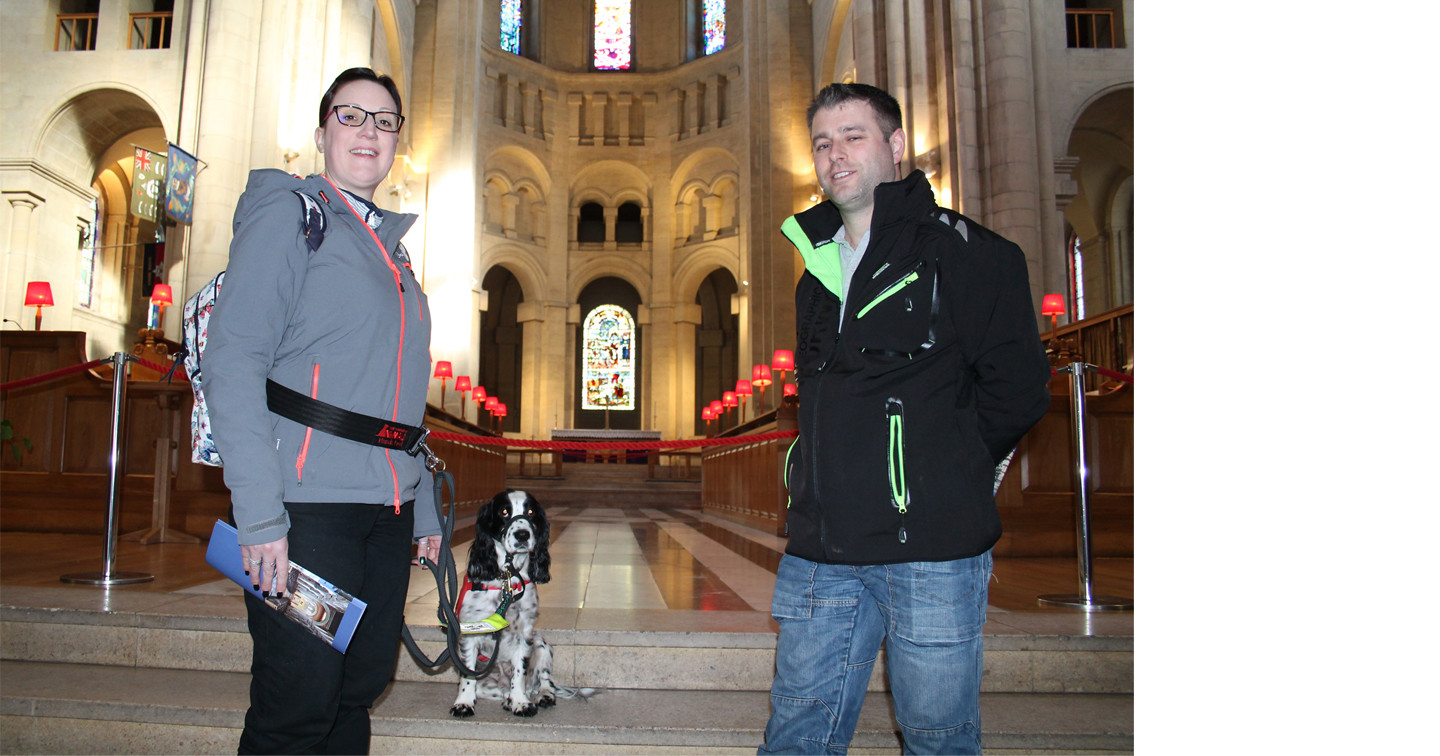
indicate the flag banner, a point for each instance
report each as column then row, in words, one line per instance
column 148, row 185
column 180, row 188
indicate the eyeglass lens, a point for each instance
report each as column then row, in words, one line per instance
column 355, row 117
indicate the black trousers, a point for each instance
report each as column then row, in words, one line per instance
column 306, row 697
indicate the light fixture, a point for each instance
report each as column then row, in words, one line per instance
column 760, row 378
column 443, row 371
column 791, row 389
column 1054, row 306
column 161, row 297
column 743, row 390
column 462, row 385
column 37, row 295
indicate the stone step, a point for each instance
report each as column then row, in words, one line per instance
column 88, row 708
column 1024, row 653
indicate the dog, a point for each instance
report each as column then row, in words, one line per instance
column 509, row 558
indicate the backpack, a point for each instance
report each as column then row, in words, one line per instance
column 195, row 332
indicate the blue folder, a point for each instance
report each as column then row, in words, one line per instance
column 223, row 554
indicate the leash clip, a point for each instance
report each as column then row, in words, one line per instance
column 432, row 463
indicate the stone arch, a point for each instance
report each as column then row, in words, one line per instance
column 521, row 263
column 617, row 266
column 1102, row 142
column 699, row 264
column 94, row 120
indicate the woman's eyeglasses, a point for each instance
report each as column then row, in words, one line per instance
column 354, row 117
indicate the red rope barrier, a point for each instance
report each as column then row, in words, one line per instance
column 525, row 443
column 53, row 375
column 1123, row 378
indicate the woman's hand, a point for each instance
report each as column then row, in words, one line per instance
column 264, row 562
column 427, row 548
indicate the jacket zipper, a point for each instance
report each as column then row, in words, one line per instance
column 400, row 350
column 895, row 461
column 305, row 447
column 890, row 291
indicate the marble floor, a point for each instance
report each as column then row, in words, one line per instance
column 664, row 568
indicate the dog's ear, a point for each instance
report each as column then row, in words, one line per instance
column 540, row 555
column 483, row 564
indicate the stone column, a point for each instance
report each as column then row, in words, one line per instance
column 610, row 215
column 531, row 318
column 575, row 103
column 686, row 318
column 12, row 288
column 623, row 102
column 1014, row 210
column 508, row 202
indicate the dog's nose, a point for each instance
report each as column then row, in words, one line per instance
column 522, row 535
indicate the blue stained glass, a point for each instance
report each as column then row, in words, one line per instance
column 612, row 35
column 510, row 20
column 714, row 26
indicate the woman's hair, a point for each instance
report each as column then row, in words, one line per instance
column 358, row 74
column 887, row 110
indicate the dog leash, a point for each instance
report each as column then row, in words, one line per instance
column 446, row 583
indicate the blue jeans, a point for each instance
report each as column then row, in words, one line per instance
column 832, row 618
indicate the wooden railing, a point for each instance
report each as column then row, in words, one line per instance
column 60, row 484
column 1107, row 340
column 674, row 465
column 1089, row 27
column 150, row 31
column 743, row 482
column 75, row 31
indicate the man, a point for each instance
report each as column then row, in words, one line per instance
column 920, row 366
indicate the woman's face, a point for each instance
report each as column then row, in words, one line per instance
column 358, row 158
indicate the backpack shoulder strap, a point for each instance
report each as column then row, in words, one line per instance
column 312, row 220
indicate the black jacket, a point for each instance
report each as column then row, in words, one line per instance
column 906, row 411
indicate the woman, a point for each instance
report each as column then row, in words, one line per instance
column 321, row 300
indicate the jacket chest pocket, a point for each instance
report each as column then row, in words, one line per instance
column 898, row 316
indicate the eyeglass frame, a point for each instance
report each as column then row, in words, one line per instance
column 368, row 114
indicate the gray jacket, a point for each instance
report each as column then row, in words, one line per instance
column 332, row 324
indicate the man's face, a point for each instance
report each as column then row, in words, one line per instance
column 852, row 154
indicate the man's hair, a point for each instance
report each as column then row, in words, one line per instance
column 887, row 110
column 358, row 74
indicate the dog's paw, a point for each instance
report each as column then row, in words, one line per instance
column 521, row 709
column 462, row 710
column 546, row 701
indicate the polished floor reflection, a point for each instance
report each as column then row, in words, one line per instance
column 635, row 566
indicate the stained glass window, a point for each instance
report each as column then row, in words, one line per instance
column 714, row 26
column 612, row 35
column 510, row 20
column 89, row 239
column 609, row 338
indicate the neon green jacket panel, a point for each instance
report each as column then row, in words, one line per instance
column 823, row 263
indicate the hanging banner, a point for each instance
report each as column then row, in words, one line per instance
column 148, row 185
column 180, row 188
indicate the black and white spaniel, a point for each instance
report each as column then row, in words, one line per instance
column 509, row 558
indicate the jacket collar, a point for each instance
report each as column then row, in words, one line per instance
column 813, row 231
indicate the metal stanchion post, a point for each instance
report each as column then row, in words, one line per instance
column 1085, row 599
column 108, row 576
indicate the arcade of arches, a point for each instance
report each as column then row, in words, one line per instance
column 546, row 186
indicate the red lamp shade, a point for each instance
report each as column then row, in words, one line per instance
column 742, row 388
column 37, row 294
column 707, row 414
column 1052, row 304
column 730, row 399
column 462, row 384
column 492, row 402
column 162, row 295
column 791, row 389
column 784, row 359
column 478, row 394
column 443, row 369
column 760, row 376
column 501, row 411
column 716, row 408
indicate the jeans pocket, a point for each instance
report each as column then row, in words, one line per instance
column 946, row 601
